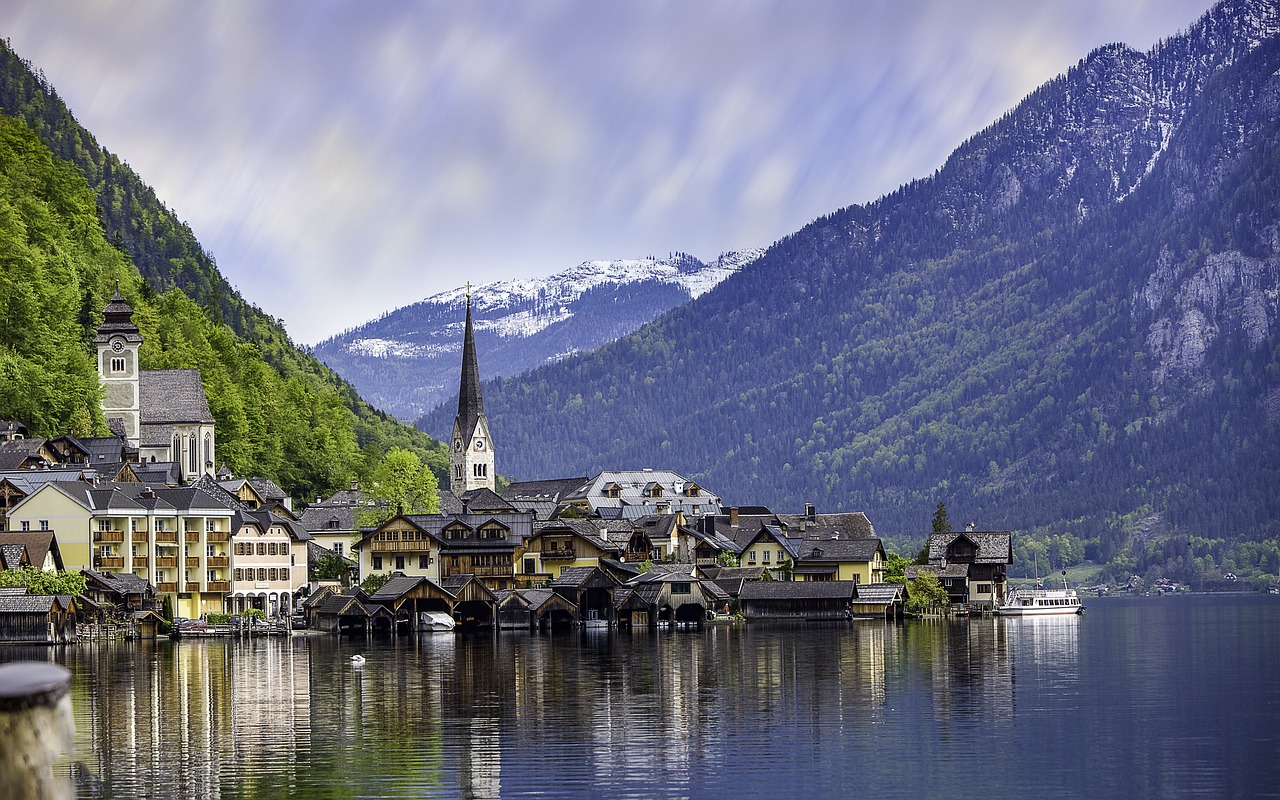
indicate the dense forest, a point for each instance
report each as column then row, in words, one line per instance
column 1069, row 331
column 76, row 220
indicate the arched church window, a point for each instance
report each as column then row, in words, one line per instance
column 176, row 454
column 193, row 456
column 208, row 449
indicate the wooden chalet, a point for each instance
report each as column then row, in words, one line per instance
column 668, row 596
column 36, row 619
column 123, row 591
column 983, row 556
column 550, row 609
column 147, row 623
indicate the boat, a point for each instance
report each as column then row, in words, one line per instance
column 436, row 621
column 1036, row 601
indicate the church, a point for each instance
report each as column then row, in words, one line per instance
column 162, row 414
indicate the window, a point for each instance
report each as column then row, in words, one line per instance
column 681, row 588
column 271, row 548
column 44, row 524
column 160, row 576
column 262, row 548
column 210, row 526
column 377, row 563
column 273, row 574
column 457, row 472
column 117, row 365
column 237, row 574
column 766, row 556
column 782, row 556
column 133, row 526
column 208, row 449
column 424, row 562
column 751, row 556
column 399, row 562
column 103, row 525
column 337, row 548
column 530, row 567
column 176, row 454
column 262, row 573
column 333, row 524
column 193, row 456
column 26, row 525
column 209, row 551
column 480, row 470
column 984, row 588
column 211, row 576
column 284, row 573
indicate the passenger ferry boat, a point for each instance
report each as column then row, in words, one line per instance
column 1039, row 602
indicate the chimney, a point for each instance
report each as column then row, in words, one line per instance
column 664, row 508
column 969, row 527
column 733, row 517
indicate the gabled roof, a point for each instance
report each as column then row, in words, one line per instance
column 484, row 500
column 776, row 534
column 552, row 490
column 38, row 544
column 850, row 525
column 172, row 396
column 592, row 531
column 342, row 605
column 13, row 556
column 583, row 577
column 881, row 593
column 841, row 550
column 122, row 583
column 994, row 547
column 954, row 570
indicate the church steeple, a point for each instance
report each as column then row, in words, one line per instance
column 117, row 342
column 471, row 457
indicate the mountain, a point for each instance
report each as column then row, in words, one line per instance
column 281, row 413
column 1069, row 328
column 407, row 360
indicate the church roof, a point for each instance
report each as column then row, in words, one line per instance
column 470, row 403
column 169, row 396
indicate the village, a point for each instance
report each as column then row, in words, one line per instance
column 167, row 542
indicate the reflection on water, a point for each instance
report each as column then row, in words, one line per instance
column 759, row 711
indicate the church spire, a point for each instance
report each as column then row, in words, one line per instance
column 472, row 456
column 470, row 403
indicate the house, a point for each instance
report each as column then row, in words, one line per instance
column 637, row 493
column 772, row 549
column 797, row 600
column 590, row 589
column 437, row 546
column 123, row 591
column 564, row 544
column 333, row 522
column 40, row 548
column 268, row 564
column 971, row 565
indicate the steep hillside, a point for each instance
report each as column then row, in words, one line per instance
column 406, row 362
column 146, row 233
column 1071, row 326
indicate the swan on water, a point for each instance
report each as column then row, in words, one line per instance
column 357, row 660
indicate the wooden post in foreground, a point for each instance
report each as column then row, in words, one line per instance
column 36, row 728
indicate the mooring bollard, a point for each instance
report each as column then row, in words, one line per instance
column 36, row 727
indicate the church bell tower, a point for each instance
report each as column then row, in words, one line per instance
column 471, row 446
column 117, row 342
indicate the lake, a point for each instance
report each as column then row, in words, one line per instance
column 1148, row 697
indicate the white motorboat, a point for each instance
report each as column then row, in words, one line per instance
column 436, row 621
column 1037, row 601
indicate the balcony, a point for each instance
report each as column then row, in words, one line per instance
column 192, row 537
column 568, row 554
column 482, row 572
column 421, row 546
column 171, row 588
column 218, row 561
column 190, row 588
column 217, row 536
column 108, row 537
column 192, row 561
column 166, row 537
column 139, row 561
column 219, row 586
column 110, row 562
column 166, row 561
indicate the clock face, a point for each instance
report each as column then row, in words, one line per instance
column 117, row 345
column 479, row 444
column 457, row 445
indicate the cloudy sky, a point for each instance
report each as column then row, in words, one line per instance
column 340, row 160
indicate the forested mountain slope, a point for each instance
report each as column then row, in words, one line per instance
column 407, row 360
column 1070, row 326
column 280, row 413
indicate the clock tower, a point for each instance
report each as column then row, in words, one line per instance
column 117, row 342
column 471, row 445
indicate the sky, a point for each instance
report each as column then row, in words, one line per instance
column 343, row 159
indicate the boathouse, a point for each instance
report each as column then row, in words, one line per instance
column 36, row 618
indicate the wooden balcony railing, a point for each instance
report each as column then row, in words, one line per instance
column 219, row 586
column 218, row 561
column 399, row 547
column 192, row 561
column 217, row 536
column 166, row 537
column 166, row 561
column 554, row 555
column 108, row 537
column 192, row 537
column 110, row 562
column 482, row 572
column 190, row 587
column 163, row 587
column 139, row 561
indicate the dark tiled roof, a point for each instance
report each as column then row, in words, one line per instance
column 13, row 556
column 342, row 604
column 478, row 501
column 880, row 592
column 837, row 550
column 994, row 547
column 104, row 450
column 329, row 519
column 949, row 571
column 551, row 490
column 267, row 489
column 120, row 582
column 798, row 590
column 37, row 543
column 827, row 526
column 26, row 603
column 169, row 396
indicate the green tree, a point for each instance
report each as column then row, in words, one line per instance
column 895, row 569
column 401, row 484
column 925, row 592
column 330, row 567
column 726, row 559
column 940, row 522
column 38, row 581
column 372, row 583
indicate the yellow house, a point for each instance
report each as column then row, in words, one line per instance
column 176, row 538
column 811, row 557
column 563, row 544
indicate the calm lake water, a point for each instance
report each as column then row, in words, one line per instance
column 1159, row 697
